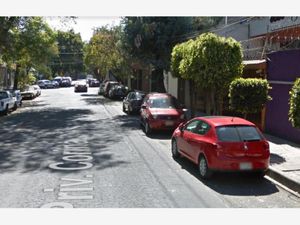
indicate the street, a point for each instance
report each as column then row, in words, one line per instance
column 66, row 149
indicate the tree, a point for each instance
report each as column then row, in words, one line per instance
column 6, row 35
column 103, row 53
column 28, row 43
column 69, row 61
column 151, row 39
column 248, row 95
column 294, row 102
column 211, row 62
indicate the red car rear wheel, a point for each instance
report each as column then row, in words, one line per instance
column 204, row 171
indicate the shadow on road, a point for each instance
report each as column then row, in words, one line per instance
column 235, row 184
column 276, row 159
column 97, row 100
column 31, row 140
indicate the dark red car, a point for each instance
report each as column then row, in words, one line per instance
column 161, row 111
column 220, row 143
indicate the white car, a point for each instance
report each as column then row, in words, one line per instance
column 29, row 93
column 37, row 90
column 7, row 102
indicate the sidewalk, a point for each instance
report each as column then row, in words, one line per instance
column 284, row 162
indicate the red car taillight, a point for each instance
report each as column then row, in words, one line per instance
column 266, row 146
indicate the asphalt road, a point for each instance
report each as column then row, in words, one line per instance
column 66, row 149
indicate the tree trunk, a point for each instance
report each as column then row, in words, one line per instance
column 157, row 79
column 207, row 103
column 192, row 99
column 213, row 101
column 16, row 78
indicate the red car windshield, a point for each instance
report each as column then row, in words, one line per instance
column 164, row 103
column 238, row 133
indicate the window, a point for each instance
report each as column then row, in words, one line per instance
column 139, row 96
column 3, row 95
column 191, row 127
column 129, row 95
column 203, row 128
column 238, row 133
column 164, row 103
column 198, row 127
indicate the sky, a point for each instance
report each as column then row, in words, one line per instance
column 83, row 25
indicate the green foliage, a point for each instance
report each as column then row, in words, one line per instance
column 248, row 95
column 294, row 111
column 69, row 61
column 28, row 42
column 203, row 23
column 104, row 53
column 151, row 39
column 25, row 79
column 212, row 62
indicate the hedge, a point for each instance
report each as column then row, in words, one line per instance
column 248, row 95
column 294, row 102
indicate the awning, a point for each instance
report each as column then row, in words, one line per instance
column 255, row 64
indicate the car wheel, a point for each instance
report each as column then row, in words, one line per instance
column 15, row 106
column 204, row 171
column 130, row 111
column 124, row 108
column 148, row 129
column 175, row 153
column 6, row 110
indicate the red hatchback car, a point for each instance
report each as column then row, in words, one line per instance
column 219, row 143
column 161, row 111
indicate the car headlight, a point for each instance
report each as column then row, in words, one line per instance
column 182, row 116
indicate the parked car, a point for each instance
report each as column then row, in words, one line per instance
column 16, row 94
column 101, row 89
column 133, row 101
column 81, row 86
column 7, row 102
column 118, row 91
column 58, row 79
column 55, row 84
column 28, row 93
column 93, row 82
column 108, row 85
column 37, row 90
column 65, row 82
column 45, row 84
column 161, row 111
column 41, row 84
column 219, row 143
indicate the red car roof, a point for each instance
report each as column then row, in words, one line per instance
column 225, row 120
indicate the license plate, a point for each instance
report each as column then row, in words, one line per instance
column 169, row 123
column 245, row 166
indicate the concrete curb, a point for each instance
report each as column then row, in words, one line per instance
column 283, row 179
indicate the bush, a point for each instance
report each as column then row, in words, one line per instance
column 248, row 95
column 294, row 112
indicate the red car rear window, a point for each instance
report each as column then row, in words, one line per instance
column 238, row 133
column 164, row 103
